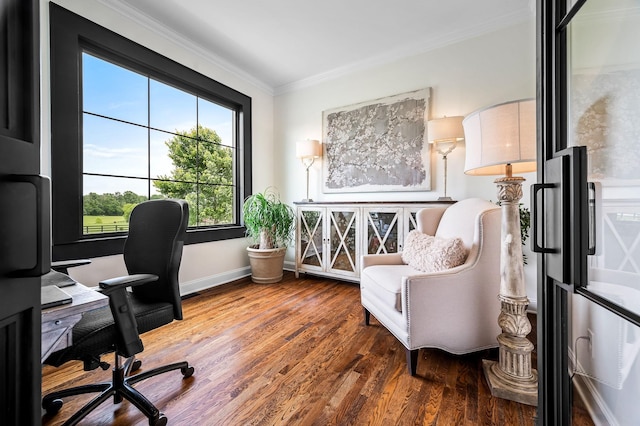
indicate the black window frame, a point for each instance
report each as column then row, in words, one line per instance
column 71, row 35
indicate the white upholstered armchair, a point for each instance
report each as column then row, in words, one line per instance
column 454, row 309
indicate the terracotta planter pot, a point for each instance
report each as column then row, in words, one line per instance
column 266, row 265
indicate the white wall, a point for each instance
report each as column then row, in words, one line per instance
column 206, row 264
column 464, row 77
column 489, row 69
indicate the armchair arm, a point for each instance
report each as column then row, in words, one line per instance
column 451, row 301
column 381, row 259
column 123, row 315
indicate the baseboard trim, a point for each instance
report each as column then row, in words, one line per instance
column 533, row 306
column 213, row 280
column 600, row 413
column 200, row 284
column 289, row 266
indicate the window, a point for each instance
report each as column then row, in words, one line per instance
column 145, row 139
column 128, row 125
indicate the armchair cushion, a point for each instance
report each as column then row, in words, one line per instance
column 383, row 283
column 428, row 253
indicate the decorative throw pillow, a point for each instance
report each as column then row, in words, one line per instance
column 431, row 254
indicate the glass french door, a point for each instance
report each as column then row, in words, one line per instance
column 587, row 208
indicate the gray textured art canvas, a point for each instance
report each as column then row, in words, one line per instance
column 379, row 145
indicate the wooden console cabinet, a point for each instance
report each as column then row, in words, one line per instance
column 331, row 236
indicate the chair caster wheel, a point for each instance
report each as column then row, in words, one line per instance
column 187, row 372
column 135, row 365
column 160, row 421
column 52, row 407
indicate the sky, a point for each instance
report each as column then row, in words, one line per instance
column 120, row 147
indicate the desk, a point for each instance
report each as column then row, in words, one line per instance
column 57, row 322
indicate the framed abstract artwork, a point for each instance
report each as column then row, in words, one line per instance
column 378, row 146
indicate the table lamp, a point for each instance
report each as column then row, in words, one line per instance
column 307, row 151
column 501, row 140
column 445, row 133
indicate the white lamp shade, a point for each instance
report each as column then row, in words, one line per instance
column 500, row 135
column 447, row 129
column 309, row 148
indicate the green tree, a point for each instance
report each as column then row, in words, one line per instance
column 102, row 204
column 109, row 204
column 91, row 205
column 127, row 208
column 202, row 175
column 130, row 197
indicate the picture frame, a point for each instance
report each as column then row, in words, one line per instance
column 378, row 146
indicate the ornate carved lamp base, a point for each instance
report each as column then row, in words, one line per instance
column 522, row 391
column 512, row 377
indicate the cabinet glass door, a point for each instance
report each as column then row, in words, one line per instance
column 410, row 223
column 410, row 219
column 311, row 231
column 343, row 245
column 382, row 231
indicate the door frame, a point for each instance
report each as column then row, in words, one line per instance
column 553, row 319
column 553, row 322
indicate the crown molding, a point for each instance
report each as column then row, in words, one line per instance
column 172, row 36
column 446, row 39
column 611, row 13
column 161, row 30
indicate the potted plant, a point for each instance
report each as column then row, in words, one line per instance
column 270, row 225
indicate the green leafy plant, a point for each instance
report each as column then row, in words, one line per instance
column 269, row 221
column 525, row 225
column 525, row 222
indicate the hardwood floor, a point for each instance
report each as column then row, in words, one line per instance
column 295, row 353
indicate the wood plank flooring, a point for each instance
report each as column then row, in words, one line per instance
column 295, row 353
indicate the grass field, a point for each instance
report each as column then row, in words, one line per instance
column 100, row 224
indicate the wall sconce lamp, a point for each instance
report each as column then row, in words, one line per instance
column 502, row 140
column 307, row 151
column 444, row 134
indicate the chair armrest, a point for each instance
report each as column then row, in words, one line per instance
column 454, row 280
column 123, row 315
column 381, row 259
column 64, row 265
column 460, row 295
column 113, row 284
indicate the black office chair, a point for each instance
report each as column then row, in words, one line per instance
column 152, row 254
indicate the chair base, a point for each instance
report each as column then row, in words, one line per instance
column 412, row 360
column 412, row 354
column 367, row 316
column 120, row 388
